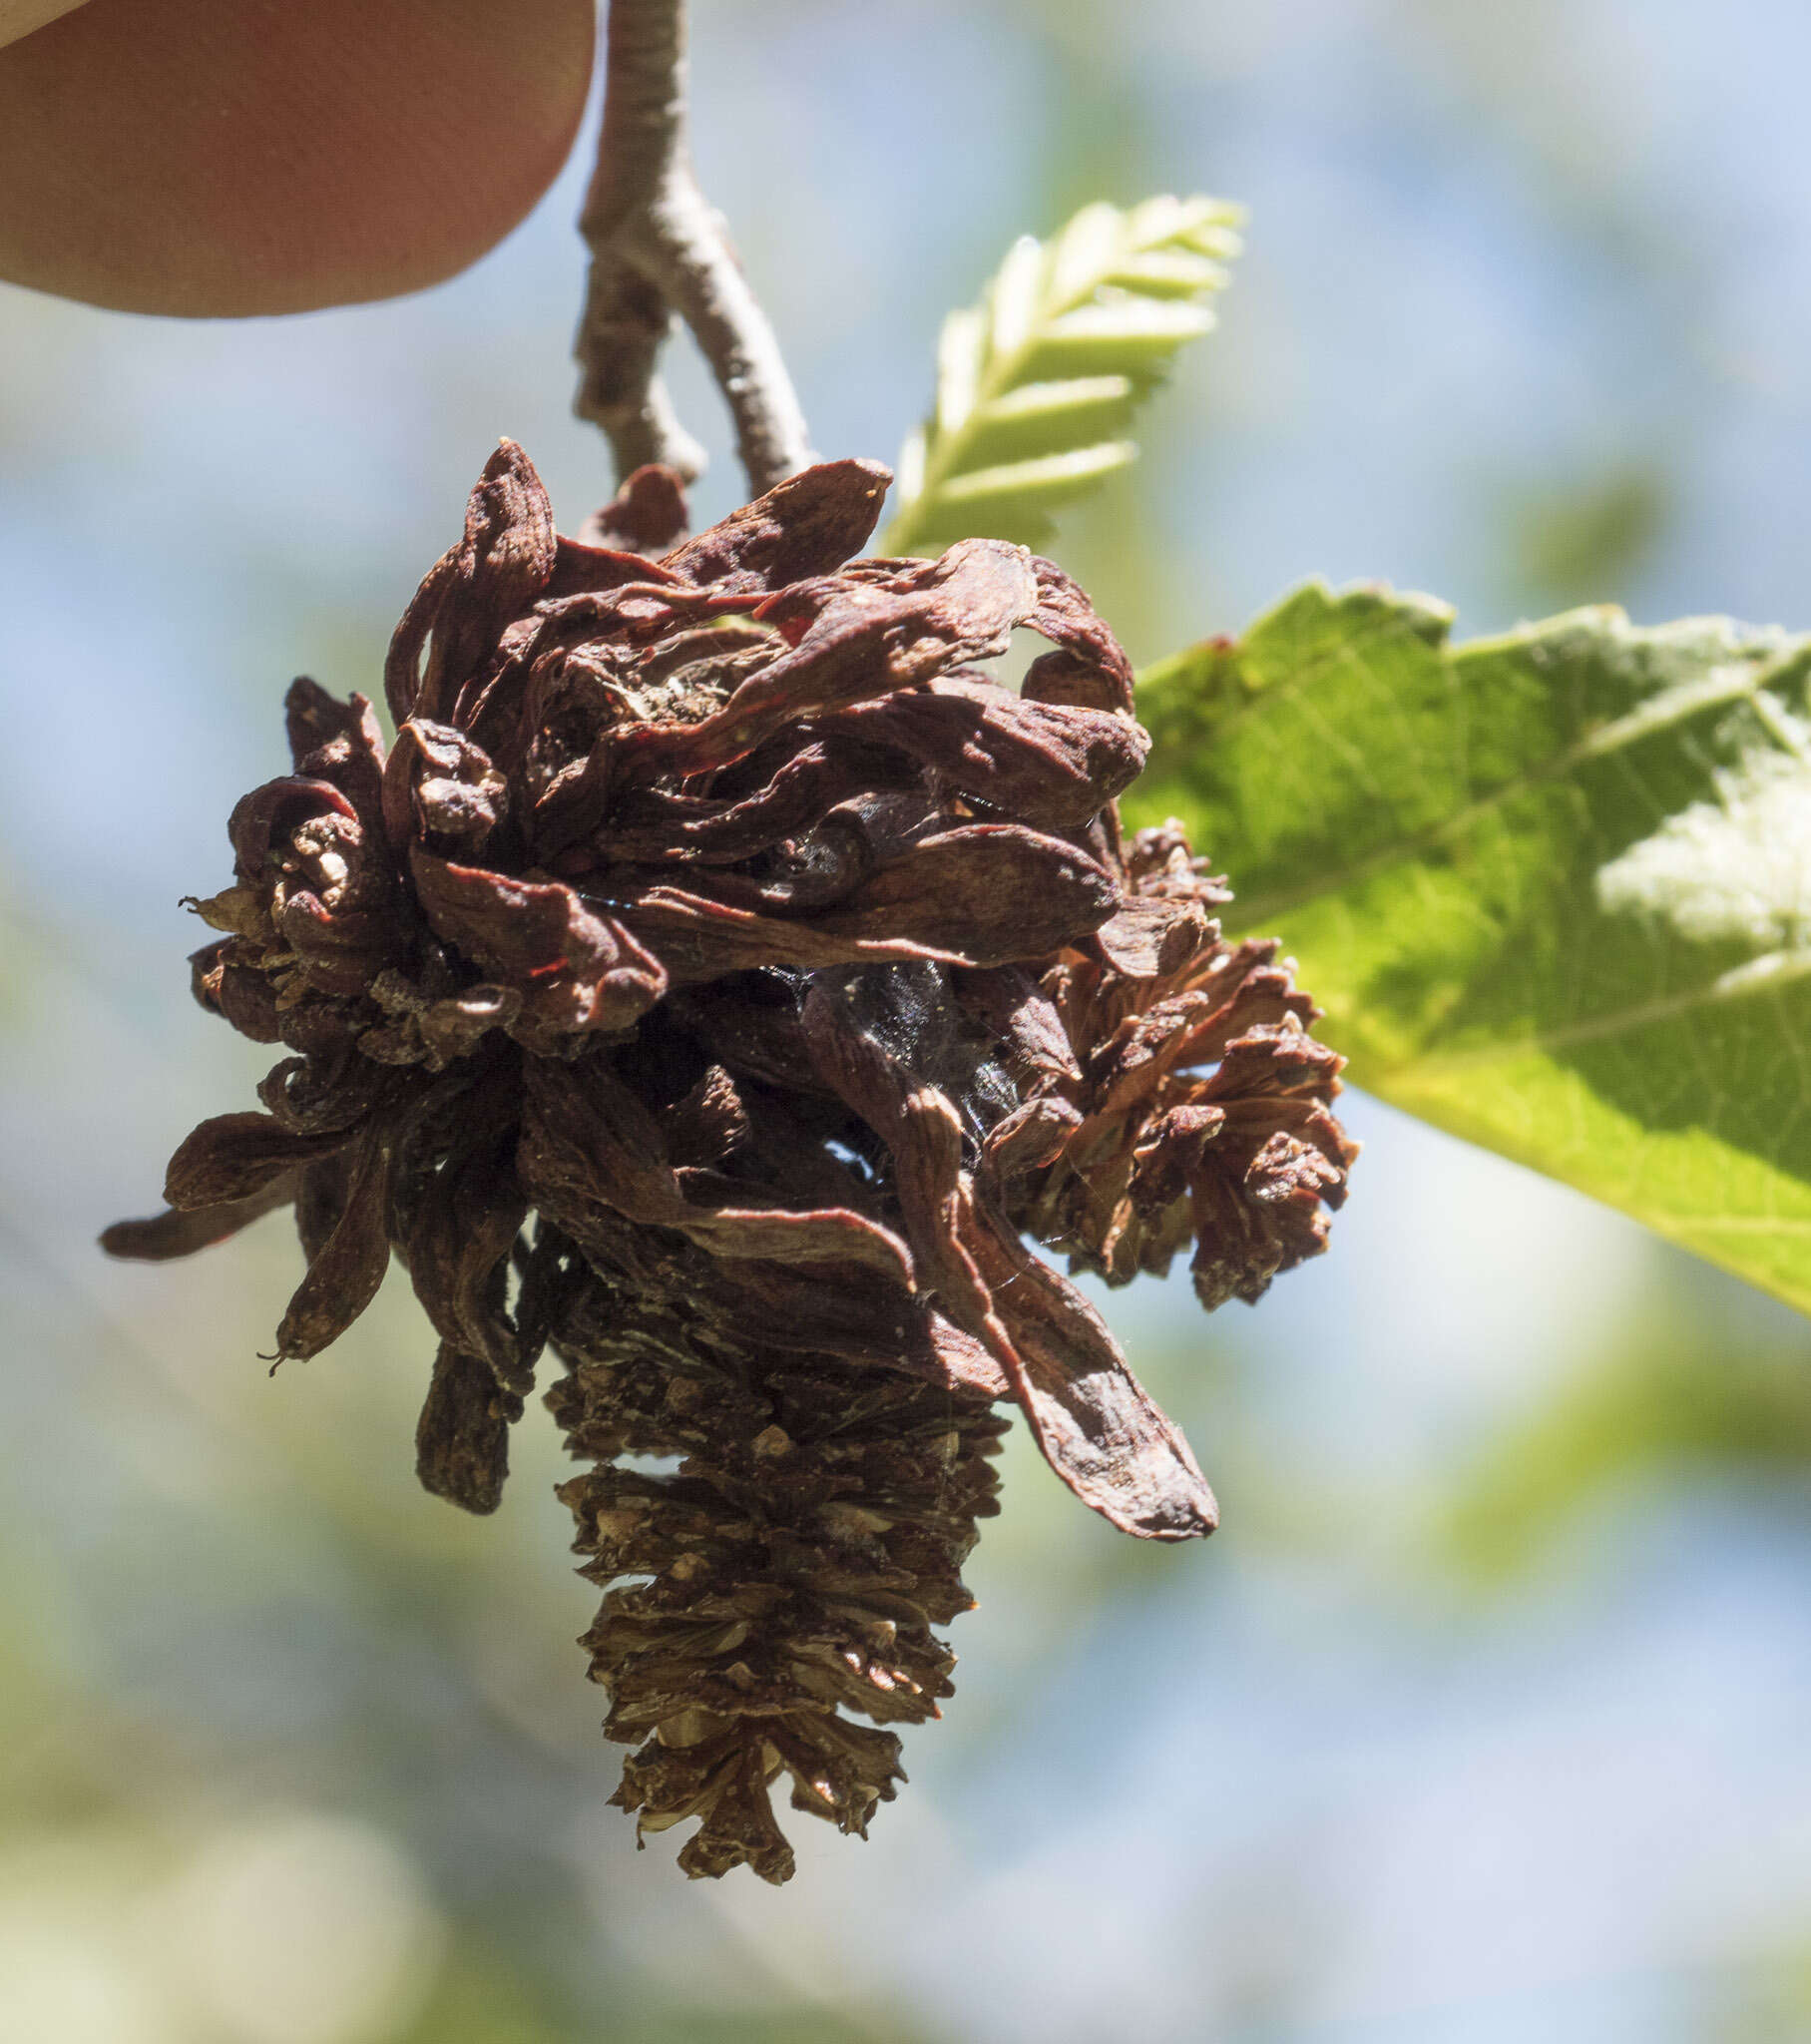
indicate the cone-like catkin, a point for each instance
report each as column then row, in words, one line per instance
column 795, row 1564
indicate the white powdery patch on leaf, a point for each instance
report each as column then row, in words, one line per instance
column 1737, row 867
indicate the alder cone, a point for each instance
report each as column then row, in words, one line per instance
column 713, row 981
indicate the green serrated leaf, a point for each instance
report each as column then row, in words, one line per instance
column 1036, row 383
column 1552, row 888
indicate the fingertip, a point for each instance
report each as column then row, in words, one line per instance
column 232, row 157
column 19, row 17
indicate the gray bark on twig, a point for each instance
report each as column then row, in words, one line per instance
column 659, row 252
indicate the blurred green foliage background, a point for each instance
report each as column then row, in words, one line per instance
column 1486, row 1713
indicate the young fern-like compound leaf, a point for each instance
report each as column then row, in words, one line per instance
column 1037, row 384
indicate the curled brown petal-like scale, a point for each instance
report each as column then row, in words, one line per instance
column 462, row 1440
column 586, row 566
column 402, row 665
column 270, row 812
column 578, row 972
column 457, row 1243
column 589, row 1141
column 179, row 1231
column 335, row 741
column 808, row 525
column 876, row 1326
column 983, row 893
column 1098, row 1427
column 1067, row 681
column 861, row 642
column 701, row 940
column 647, row 514
column 236, row 990
column 344, row 1276
column 1020, row 1017
column 235, row 1157
column 1038, row 764
column 314, row 1098
column 924, row 1134
column 341, row 951
column 701, row 831
column 437, row 781
column 321, row 1198
column 1064, row 615
column 1034, row 1134
column 518, row 928
column 498, row 569
column 810, row 871
column 1148, row 939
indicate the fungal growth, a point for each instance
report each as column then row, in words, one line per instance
column 711, row 986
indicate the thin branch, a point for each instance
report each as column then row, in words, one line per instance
column 626, row 321
column 660, row 249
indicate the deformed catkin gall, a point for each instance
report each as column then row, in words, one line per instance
column 713, row 984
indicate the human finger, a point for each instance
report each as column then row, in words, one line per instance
column 227, row 157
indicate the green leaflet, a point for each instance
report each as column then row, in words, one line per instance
column 1037, row 384
column 1553, row 889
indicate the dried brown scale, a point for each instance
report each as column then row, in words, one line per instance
column 1198, row 1108
column 797, row 1562
column 712, row 981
